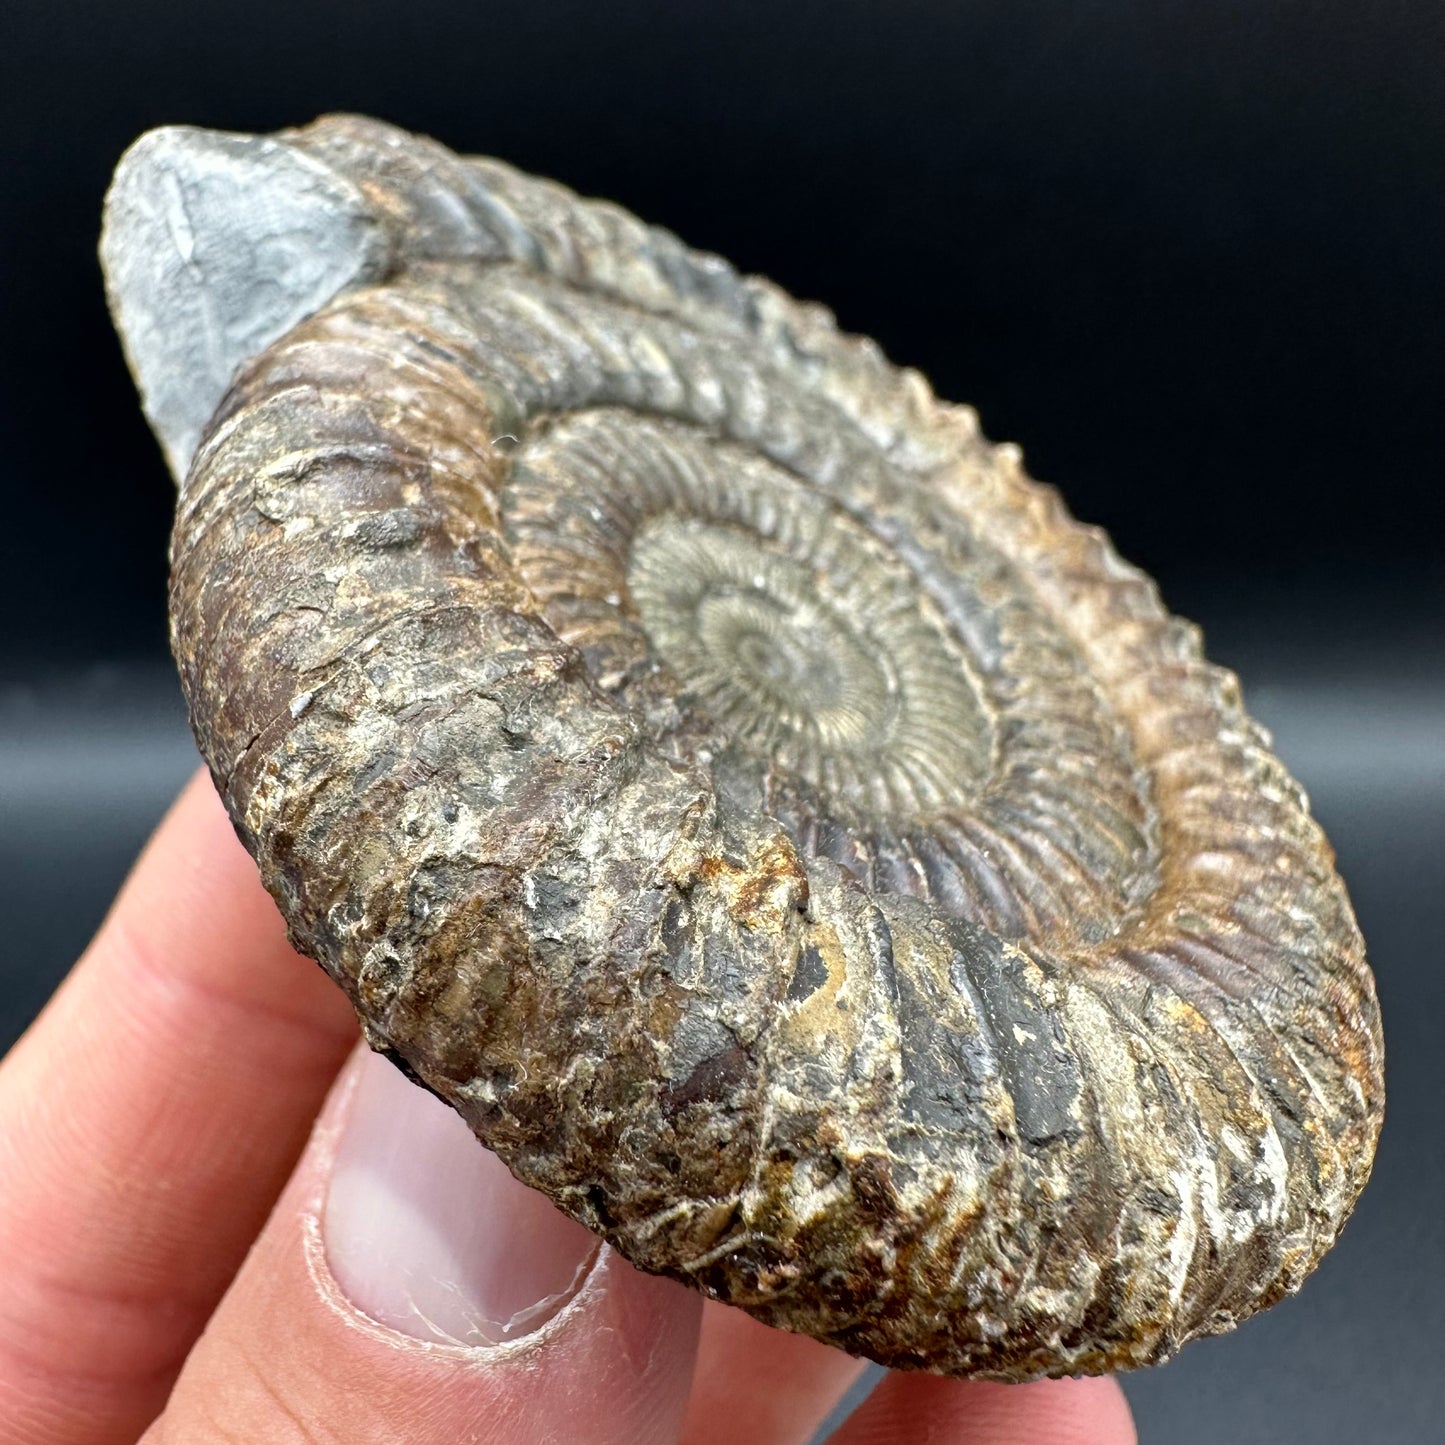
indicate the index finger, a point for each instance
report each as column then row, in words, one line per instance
column 148, row 1120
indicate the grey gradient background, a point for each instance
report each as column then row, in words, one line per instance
column 1190, row 255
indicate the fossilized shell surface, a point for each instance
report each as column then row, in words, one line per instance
column 784, row 834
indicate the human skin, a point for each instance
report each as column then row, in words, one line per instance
column 221, row 1221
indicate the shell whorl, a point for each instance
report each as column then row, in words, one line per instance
column 781, row 831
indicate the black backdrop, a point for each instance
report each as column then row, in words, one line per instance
column 1189, row 255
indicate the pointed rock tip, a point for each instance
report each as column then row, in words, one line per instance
column 214, row 245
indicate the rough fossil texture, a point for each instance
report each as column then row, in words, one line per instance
column 786, row 836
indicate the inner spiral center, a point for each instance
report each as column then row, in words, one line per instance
column 748, row 633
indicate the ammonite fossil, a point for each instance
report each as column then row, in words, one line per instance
column 786, row 836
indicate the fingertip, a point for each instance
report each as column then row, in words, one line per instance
column 906, row 1409
column 607, row 1360
column 1095, row 1404
column 762, row 1385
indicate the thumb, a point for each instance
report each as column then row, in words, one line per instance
column 406, row 1288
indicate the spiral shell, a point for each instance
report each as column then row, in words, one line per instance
column 785, row 836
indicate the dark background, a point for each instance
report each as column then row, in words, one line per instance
column 1189, row 255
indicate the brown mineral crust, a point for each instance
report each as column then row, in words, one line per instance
column 784, row 834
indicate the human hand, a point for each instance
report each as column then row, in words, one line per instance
column 160, row 1277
